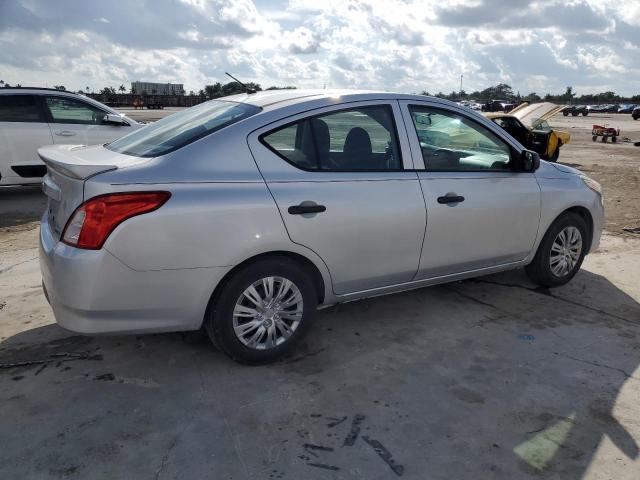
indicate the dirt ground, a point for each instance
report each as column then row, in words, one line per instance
column 615, row 166
column 490, row 378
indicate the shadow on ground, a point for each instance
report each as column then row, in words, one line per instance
column 488, row 378
column 21, row 205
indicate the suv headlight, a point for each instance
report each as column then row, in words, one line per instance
column 593, row 185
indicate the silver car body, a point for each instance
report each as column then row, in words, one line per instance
column 382, row 232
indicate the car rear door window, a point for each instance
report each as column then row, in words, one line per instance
column 69, row 110
column 358, row 139
column 452, row 142
column 20, row 108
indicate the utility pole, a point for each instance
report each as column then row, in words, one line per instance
column 461, row 82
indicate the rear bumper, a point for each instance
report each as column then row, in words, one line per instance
column 92, row 292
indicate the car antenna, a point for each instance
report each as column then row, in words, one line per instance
column 247, row 89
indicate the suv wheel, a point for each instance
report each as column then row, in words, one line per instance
column 263, row 311
column 561, row 251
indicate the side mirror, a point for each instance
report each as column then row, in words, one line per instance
column 111, row 119
column 530, row 161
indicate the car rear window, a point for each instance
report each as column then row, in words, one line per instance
column 182, row 128
column 19, row 108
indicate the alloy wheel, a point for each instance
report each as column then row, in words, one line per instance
column 565, row 251
column 267, row 313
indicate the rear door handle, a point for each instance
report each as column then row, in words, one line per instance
column 450, row 198
column 306, row 208
column 65, row 133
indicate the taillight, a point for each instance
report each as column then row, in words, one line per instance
column 94, row 220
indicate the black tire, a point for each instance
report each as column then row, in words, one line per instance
column 556, row 154
column 539, row 270
column 604, row 139
column 614, row 139
column 565, row 113
column 585, row 113
column 218, row 321
column 594, row 138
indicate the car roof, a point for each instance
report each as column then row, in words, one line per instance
column 273, row 99
column 34, row 90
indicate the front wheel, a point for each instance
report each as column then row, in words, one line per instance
column 263, row 311
column 560, row 252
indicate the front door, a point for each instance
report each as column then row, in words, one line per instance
column 74, row 121
column 343, row 183
column 481, row 211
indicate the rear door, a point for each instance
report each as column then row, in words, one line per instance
column 74, row 121
column 342, row 179
column 23, row 129
column 481, row 211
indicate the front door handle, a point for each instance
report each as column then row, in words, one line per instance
column 306, row 208
column 65, row 133
column 451, row 198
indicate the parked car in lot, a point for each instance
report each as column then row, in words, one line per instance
column 636, row 113
column 604, row 108
column 33, row 117
column 575, row 110
column 626, row 108
column 244, row 214
column 528, row 124
column 498, row 106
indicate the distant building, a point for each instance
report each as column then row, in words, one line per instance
column 151, row 88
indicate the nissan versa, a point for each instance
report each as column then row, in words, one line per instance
column 244, row 214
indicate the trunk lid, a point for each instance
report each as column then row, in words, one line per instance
column 68, row 167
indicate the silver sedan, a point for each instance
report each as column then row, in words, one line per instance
column 247, row 213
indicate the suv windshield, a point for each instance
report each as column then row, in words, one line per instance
column 182, row 128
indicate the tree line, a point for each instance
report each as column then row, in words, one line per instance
column 502, row 91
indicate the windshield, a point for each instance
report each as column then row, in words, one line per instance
column 182, row 128
column 538, row 124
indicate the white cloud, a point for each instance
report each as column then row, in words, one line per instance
column 387, row 44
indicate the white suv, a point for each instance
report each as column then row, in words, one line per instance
column 33, row 117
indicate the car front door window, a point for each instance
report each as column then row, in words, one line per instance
column 452, row 142
column 71, row 111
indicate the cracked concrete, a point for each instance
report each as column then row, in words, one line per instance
column 486, row 378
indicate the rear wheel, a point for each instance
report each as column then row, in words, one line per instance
column 561, row 251
column 614, row 139
column 263, row 311
column 555, row 155
column 594, row 138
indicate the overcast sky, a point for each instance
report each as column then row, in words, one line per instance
column 539, row 46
